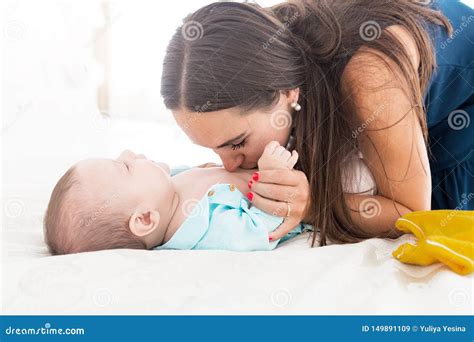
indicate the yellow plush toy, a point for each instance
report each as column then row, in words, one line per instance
column 445, row 236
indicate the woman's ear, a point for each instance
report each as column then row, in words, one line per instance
column 144, row 221
column 292, row 94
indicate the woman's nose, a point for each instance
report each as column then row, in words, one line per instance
column 232, row 163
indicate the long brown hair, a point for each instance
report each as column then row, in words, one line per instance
column 241, row 55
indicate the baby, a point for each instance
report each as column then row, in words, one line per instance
column 133, row 202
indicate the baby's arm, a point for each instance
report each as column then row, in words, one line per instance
column 276, row 156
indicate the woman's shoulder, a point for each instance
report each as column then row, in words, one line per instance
column 370, row 66
column 375, row 86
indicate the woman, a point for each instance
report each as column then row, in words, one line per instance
column 327, row 77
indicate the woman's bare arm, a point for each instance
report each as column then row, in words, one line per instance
column 392, row 141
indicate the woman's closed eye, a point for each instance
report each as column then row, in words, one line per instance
column 239, row 145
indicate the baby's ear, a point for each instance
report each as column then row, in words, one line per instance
column 144, row 221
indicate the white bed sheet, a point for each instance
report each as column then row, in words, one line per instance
column 359, row 278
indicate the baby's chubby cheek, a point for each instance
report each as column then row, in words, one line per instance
column 164, row 166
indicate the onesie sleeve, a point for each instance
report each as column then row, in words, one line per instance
column 178, row 169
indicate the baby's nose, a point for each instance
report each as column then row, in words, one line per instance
column 127, row 154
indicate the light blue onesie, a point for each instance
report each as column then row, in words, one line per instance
column 224, row 219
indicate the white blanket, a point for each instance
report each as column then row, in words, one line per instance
column 359, row 278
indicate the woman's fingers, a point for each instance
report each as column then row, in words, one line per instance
column 274, row 199
column 276, row 192
column 284, row 228
column 280, row 209
column 269, row 206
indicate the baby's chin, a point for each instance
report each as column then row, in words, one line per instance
column 164, row 167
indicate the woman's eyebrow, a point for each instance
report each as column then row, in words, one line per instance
column 228, row 142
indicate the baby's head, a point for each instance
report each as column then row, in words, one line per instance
column 109, row 203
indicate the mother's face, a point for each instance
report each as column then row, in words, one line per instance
column 239, row 139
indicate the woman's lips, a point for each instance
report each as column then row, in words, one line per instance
column 248, row 166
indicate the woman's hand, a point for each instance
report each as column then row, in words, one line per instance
column 273, row 191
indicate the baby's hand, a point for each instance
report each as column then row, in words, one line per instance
column 276, row 156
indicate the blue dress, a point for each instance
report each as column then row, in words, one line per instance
column 449, row 102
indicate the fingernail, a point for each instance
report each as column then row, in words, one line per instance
column 270, row 238
column 256, row 176
column 250, row 196
column 250, row 184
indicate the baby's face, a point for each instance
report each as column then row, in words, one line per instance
column 129, row 180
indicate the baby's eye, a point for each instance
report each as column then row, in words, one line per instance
column 126, row 165
column 239, row 145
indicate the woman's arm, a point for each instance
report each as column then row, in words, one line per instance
column 375, row 214
column 392, row 142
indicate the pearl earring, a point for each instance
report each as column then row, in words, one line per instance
column 296, row 106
